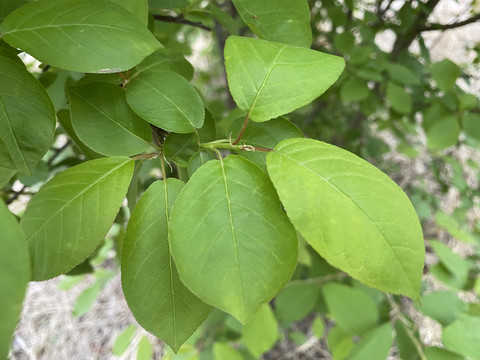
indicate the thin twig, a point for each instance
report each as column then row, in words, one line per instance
column 180, row 19
column 244, row 126
column 435, row 26
column 57, row 152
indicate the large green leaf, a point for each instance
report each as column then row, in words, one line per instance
column 232, row 243
column 8, row 6
column 27, row 117
column 158, row 299
column 353, row 310
column 463, row 337
column 284, row 21
column 165, row 99
column 443, row 306
column 103, row 120
column 351, row 213
column 66, row 220
column 14, row 276
column 80, row 35
column 165, row 60
column 269, row 79
column 139, row 8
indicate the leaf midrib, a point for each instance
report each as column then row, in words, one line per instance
column 76, row 197
column 361, row 210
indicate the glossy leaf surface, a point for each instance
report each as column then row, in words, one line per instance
column 165, row 99
column 233, row 245
column 269, row 79
column 158, row 299
column 27, row 117
column 284, row 21
column 351, row 213
column 103, row 120
column 14, row 276
column 80, row 35
column 66, row 220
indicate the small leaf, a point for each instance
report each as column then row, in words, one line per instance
column 339, row 342
column 289, row 306
column 166, row 100
column 375, row 345
column 269, row 79
column 229, row 207
column 198, row 160
column 443, row 133
column 123, row 340
column 463, row 337
column 402, row 74
column 80, row 35
column 445, row 74
column 443, row 306
column 471, row 125
column 354, row 90
column 351, row 213
column 318, row 327
column 405, row 345
column 399, row 99
column 353, row 310
column 88, row 297
column 435, row 353
column 158, row 299
column 284, row 21
column 66, row 220
column 14, row 276
column 27, row 118
column 145, row 349
column 261, row 332
column 103, row 120
column 222, row 351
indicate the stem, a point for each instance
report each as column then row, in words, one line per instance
column 244, row 126
column 225, row 144
column 398, row 314
column 145, row 156
column 57, row 152
column 181, row 20
column 431, row 27
column 162, row 164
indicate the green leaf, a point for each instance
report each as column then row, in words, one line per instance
column 168, row 4
column 435, row 353
column 267, row 135
column 145, row 349
column 402, row 75
column 269, row 79
column 166, row 100
column 80, row 35
column 222, row 351
column 158, row 299
column 66, row 220
column 443, row 133
column 375, row 345
column 296, row 301
column 354, row 311
column 354, row 90
column 6, row 175
column 165, row 60
column 449, row 223
column 103, row 120
column 340, row 343
column 455, row 264
column 10, row 5
column 14, row 276
column 261, row 332
column 283, row 21
column 399, row 99
column 139, row 8
column 463, row 337
column 123, row 340
column 471, row 125
column 445, row 73
column 27, row 117
column 443, row 306
column 351, row 213
column 88, row 297
column 405, row 345
column 344, row 42
column 198, row 159
column 318, row 327
column 230, row 207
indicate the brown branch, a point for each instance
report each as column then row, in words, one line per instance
column 434, row 26
column 181, row 20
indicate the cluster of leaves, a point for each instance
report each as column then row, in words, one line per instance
column 233, row 222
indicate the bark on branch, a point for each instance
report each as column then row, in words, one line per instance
column 431, row 27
